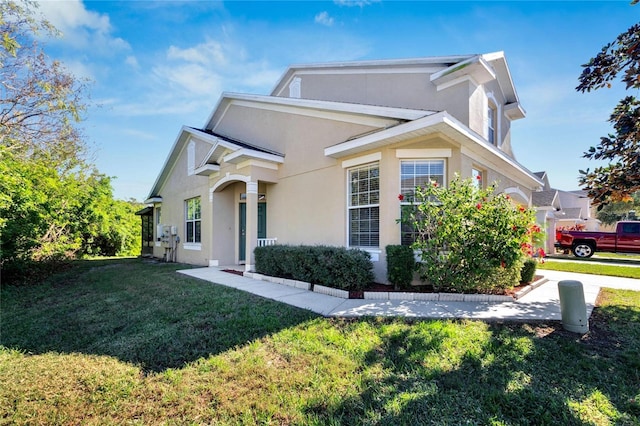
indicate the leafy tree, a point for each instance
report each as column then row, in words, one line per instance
column 40, row 101
column 620, row 210
column 618, row 180
column 54, row 204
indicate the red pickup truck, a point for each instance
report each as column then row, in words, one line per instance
column 626, row 239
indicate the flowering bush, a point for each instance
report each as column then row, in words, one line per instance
column 470, row 239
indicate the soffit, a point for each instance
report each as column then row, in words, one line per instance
column 437, row 124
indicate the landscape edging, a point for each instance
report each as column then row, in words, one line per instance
column 398, row 295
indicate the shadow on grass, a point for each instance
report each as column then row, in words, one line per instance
column 138, row 311
column 509, row 374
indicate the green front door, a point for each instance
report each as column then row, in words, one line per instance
column 242, row 235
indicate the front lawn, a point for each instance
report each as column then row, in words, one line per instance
column 128, row 342
column 592, row 268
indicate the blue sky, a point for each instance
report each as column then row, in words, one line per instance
column 156, row 66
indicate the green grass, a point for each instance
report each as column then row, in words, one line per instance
column 127, row 342
column 623, row 256
column 592, row 268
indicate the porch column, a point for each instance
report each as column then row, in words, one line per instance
column 252, row 225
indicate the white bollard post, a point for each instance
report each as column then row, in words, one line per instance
column 573, row 307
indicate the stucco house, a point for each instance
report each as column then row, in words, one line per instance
column 323, row 157
column 557, row 209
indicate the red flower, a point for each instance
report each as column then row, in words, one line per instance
column 521, row 209
column 401, row 197
column 435, row 184
column 502, row 264
column 479, row 177
column 507, row 197
column 541, row 252
column 479, row 206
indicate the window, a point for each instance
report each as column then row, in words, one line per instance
column 477, row 178
column 491, row 124
column 295, row 88
column 158, row 215
column 631, row 228
column 193, row 234
column 414, row 173
column 364, row 206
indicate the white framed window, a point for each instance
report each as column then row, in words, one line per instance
column 477, row 178
column 492, row 125
column 193, row 231
column 413, row 174
column 364, row 206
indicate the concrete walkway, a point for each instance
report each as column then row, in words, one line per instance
column 542, row 303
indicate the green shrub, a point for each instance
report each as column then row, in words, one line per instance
column 528, row 271
column 471, row 239
column 336, row 267
column 400, row 265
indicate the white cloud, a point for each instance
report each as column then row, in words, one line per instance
column 358, row 3
column 194, row 78
column 80, row 69
column 80, row 27
column 323, row 18
column 210, row 52
column 132, row 61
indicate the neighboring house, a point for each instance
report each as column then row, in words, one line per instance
column 322, row 159
column 556, row 209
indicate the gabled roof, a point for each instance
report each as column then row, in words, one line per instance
column 442, row 123
column 233, row 150
column 223, row 149
column 371, row 115
column 572, row 213
column 548, row 198
column 392, row 65
column 483, row 67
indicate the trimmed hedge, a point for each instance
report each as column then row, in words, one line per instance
column 337, row 267
column 528, row 271
column 401, row 264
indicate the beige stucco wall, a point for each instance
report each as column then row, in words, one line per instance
column 307, row 194
column 465, row 101
column 175, row 191
column 401, row 90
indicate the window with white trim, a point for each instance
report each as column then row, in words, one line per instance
column 492, row 117
column 193, row 220
column 477, row 178
column 364, row 206
column 413, row 174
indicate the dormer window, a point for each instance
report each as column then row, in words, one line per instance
column 492, row 124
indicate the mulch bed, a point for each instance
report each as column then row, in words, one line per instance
column 377, row 287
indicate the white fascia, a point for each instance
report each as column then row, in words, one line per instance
column 476, row 67
column 244, row 153
column 441, row 122
column 358, row 113
column 362, row 143
column 388, row 65
column 514, row 111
